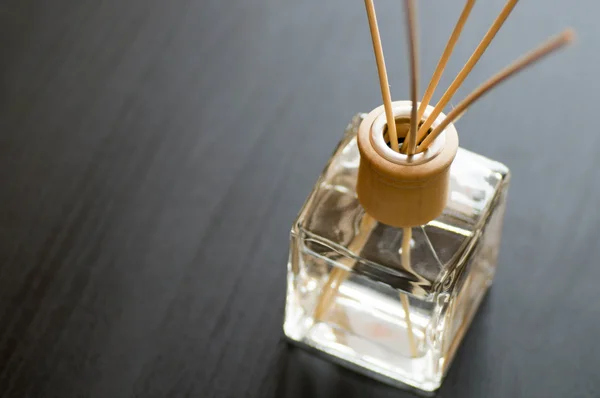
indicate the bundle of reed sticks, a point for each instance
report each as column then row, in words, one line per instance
column 421, row 134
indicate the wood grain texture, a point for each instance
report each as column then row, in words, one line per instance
column 142, row 253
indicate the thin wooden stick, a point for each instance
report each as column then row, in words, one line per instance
column 545, row 49
column 409, row 145
column 459, row 116
column 406, row 238
column 462, row 75
column 383, row 78
column 439, row 70
column 339, row 275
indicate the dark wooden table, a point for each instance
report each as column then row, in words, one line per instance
column 153, row 155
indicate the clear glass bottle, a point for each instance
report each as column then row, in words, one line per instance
column 394, row 311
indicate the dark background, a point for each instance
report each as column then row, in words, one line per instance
column 153, row 155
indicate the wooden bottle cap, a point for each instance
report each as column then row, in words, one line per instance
column 398, row 189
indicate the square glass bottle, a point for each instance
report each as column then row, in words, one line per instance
column 393, row 302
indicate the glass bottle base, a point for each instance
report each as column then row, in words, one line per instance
column 367, row 329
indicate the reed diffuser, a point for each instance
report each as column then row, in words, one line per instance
column 397, row 243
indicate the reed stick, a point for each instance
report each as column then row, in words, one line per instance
column 339, row 275
column 462, row 75
column 531, row 58
column 406, row 238
column 409, row 146
column 383, row 78
column 441, row 66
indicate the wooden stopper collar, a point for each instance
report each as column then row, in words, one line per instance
column 398, row 189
